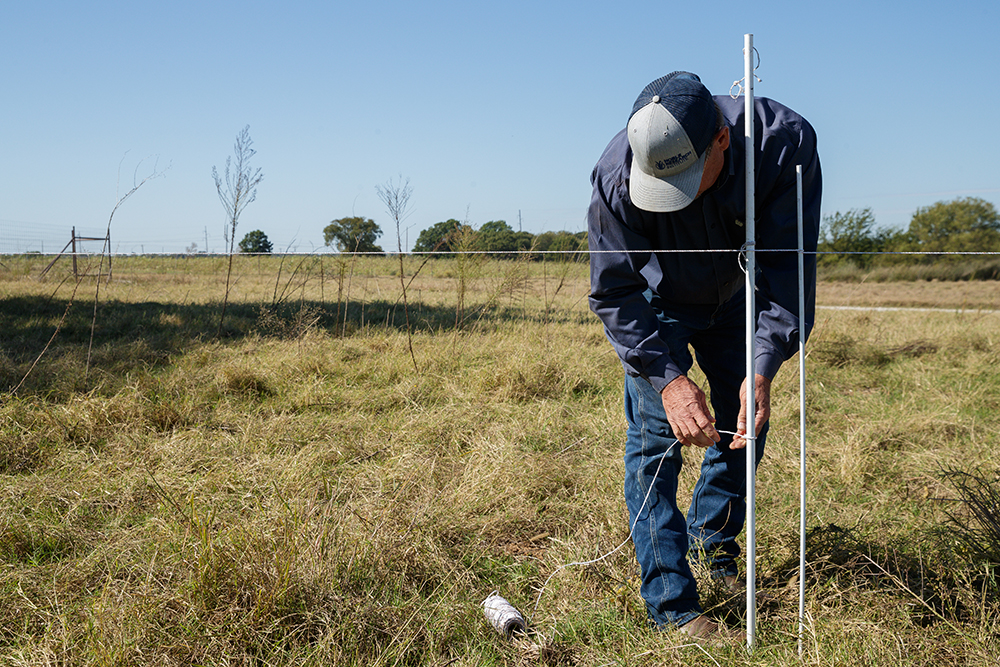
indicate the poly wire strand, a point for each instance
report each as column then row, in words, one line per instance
column 630, row 531
column 629, row 251
column 508, row 253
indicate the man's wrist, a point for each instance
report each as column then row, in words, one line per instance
column 660, row 383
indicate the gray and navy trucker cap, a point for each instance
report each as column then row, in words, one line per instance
column 672, row 123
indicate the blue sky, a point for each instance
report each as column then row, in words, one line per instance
column 491, row 110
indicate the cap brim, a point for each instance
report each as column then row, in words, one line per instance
column 663, row 194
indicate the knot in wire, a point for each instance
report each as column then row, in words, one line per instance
column 738, row 84
column 749, row 245
column 739, row 435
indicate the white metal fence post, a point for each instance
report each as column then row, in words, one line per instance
column 802, row 410
column 751, row 267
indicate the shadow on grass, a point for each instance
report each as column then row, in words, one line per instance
column 916, row 572
column 844, row 567
column 128, row 335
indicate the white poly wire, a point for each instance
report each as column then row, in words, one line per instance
column 630, row 530
column 508, row 253
column 738, row 84
column 749, row 437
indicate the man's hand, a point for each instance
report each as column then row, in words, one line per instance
column 762, row 405
column 688, row 413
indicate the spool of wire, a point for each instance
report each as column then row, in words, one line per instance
column 503, row 616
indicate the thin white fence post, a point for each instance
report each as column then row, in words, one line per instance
column 802, row 411
column 751, row 267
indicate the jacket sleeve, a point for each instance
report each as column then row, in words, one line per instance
column 779, row 323
column 617, row 287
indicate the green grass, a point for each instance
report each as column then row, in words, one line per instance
column 295, row 492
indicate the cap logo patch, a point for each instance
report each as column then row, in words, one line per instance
column 673, row 161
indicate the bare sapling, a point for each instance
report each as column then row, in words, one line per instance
column 136, row 184
column 236, row 190
column 342, row 278
column 302, row 270
column 565, row 263
column 396, row 197
column 512, row 281
column 468, row 266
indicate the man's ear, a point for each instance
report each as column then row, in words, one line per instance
column 722, row 136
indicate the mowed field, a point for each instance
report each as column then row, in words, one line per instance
column 968, row 296
column 334, row 473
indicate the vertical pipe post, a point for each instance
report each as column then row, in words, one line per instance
column 751, row 265
column 73, row 242
column 802, row 411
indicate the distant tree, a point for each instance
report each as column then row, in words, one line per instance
column 352, row 235
column 497, row 236
column 255, row 242
column 851, row 232
column 493, row 236
column 441, row 236
column 543, row 241
column 561, row 242
column 962, row 225
column 523, row 240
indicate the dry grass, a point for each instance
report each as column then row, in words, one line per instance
column 293, row 493
column 966, row 295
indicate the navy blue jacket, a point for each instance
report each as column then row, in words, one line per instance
column 624, row 285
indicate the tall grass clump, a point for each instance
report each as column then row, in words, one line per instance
column 974, row 526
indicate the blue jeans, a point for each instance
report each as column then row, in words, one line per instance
column 663, row 538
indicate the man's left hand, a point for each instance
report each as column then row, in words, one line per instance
column 762, row 405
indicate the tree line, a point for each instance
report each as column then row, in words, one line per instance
column 943, row 230
column 358, row 234
column 942, row 233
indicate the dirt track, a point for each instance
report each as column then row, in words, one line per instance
column 977, row 295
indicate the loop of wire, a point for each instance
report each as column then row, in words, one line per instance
column 742, row 257
column 738, row 84
column 631, row 529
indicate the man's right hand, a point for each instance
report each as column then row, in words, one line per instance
column 688, row 413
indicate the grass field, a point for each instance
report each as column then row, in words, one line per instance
column 322, row 483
